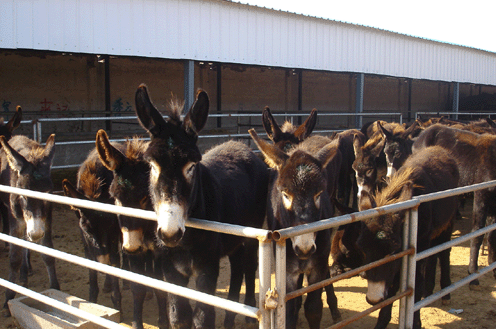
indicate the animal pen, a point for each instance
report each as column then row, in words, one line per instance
column 272, row 298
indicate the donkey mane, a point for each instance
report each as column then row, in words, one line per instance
column 174, row 110
column 288, row 127
column 135, row 148
column 372, row 141
column 89, row 182
column 391, row 193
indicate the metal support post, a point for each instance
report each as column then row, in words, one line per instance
column 456, row 99
column 412, row 267
column 189, row 84
column 359, row 100
column 264, row 270
column 281, row 283
column 404, row 271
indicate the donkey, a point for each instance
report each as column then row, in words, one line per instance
column 227, row 184
column 287, row 136
column 129, row 188
column 298, row 194
column 427, row 171
column 370, row 163
column 397, row 145
column 475, row 155
column 99, row 230
column 26, row 164
column 6, row 131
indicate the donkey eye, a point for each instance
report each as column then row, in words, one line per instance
column 287, row 200
column 188, row 170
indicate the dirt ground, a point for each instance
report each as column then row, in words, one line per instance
column 479, row 307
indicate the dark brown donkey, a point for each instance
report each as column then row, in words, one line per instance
column 475, row 155
column 227, row 184
column 129, row 188
column 26, row 164
column 298, row 195
column 430, row 170
column 99, row 230
column 6, row 131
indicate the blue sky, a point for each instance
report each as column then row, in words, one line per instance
column 466, row 23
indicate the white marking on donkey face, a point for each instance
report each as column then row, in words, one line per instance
column 171, row 218
column 132, row 241
column 35, row 225
column 390, row 170
column 376, row 292
column 305, row 243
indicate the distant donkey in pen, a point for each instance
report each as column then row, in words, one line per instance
column 226, row 184
column 298, row 195
column 26, row 164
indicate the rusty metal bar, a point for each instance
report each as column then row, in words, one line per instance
column 348, row 274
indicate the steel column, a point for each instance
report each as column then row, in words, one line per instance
column 189, row 84
column 359, row 100
column 108, row 108
column 281, row 284
column 264, row 272
column 404, row 271
column 456, row 99
column 412, row 267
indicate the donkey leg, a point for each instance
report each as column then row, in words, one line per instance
column 444, row 262
column 94, row 290
column 15, row 259
column 332, row 301
column 137, row 264
column 26, row 268
column 48, row 260
column 491, row 243
column 236, row 261
column 204, row 315
column 116, row 296
column 313, row 308
column 478, row 222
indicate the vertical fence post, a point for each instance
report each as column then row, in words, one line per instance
column 412, row 267
column 281, row 283
column 404, row 271
column 264, row 270
column 38, row 132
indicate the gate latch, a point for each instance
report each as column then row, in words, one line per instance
column 271, row 297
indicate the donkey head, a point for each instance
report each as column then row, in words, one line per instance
column 299, row 194
column 381, row 236
column 173, row 157
column 14, row 122
column 397, row 146
column 365, row 165
column 287, row 136
column 31, row 172
column 129, row 188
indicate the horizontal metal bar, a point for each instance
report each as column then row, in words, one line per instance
column 249, row 232
column 61, row 305
column 374, row 308
column 432, row 298
column 455, row 191
column 454, row 242
column 349, row 274
column 341, row 220
column 142, row 279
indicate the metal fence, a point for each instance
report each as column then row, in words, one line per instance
column 272, row 299
column 38, row 131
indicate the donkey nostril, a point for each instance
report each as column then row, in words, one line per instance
column 35, row 236
column 170, row 240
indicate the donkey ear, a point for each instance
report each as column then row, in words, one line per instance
column 376, row 150
column 306, row 128
column 148, row 115
column 270, row 125
column 384, row 132
column 70, row 190
column 328, row 152
column 197, row 116
column 49, row 151
column 15, row 121
column 111, row 157
column 357, row 145
column 491, row 123
column 274, row 157
column 366, row 201
column 406, row 191
column 412, row 129
column 16, row 161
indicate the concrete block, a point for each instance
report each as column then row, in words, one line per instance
column 32, row 314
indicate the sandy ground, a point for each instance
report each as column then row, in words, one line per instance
column 479, row 307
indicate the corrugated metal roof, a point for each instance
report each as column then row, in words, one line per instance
column 226, row 31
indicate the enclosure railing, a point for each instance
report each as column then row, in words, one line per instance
column 273, row 299
column 454, row 114
column 37, row 126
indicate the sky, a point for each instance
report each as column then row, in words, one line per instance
column 466, row 23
